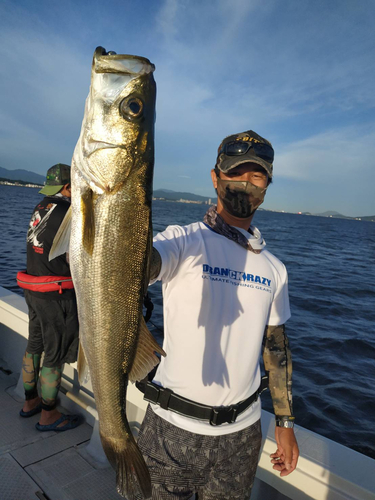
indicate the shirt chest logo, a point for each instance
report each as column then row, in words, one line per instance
column 239, row 276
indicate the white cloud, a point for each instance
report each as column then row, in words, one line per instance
column 295, row 66
column 166, row 19
column 335, row 154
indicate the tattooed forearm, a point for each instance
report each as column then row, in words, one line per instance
column 278, row 363
column 155, row 265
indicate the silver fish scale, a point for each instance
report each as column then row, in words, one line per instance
column 112, row 280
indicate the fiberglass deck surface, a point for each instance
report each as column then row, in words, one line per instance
column 50, row 465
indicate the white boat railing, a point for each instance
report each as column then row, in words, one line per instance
column 326, row 470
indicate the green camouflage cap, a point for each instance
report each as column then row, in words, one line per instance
column 225, row 162
column 57, row 177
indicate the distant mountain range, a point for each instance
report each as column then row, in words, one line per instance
column 164, row 194
column 22, row 175
column 167, row 194
column 337, row 215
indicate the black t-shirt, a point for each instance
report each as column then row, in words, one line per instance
column 44, row 224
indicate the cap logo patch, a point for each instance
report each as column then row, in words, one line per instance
column 247, row 139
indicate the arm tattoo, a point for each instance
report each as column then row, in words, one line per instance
column 155, row 265
column 278, row 363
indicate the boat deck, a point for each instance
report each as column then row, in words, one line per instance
column 72, row 466
column 49, row 465
column 55, row 465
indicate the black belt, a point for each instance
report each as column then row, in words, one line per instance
column 216, row 415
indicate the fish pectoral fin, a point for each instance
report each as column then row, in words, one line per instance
column 82, row 366
column 61, row 240
column 88, row 231
column 145, row 358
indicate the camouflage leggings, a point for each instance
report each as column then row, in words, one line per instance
column 50, row 379
column 182, row 463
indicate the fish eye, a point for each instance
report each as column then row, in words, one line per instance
column 131, row 108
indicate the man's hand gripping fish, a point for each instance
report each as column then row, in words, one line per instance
column 110, row 247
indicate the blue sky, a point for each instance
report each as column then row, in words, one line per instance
column 300, row 73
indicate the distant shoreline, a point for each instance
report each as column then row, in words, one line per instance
column 8, row 182
column 194, row 202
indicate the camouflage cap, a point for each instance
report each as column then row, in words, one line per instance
column 226, row 162
column 57, row 177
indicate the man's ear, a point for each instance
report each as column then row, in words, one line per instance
column 214, row 178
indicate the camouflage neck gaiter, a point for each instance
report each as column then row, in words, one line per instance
column 240, row 198
column 218, row 224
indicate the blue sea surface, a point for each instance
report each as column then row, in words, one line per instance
column 331, row 265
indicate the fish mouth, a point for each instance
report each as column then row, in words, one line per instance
column 104, row 62
column 93, row 145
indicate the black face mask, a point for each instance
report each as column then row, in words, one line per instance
column 240, row 198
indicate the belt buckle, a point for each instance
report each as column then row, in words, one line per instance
column 223, row 415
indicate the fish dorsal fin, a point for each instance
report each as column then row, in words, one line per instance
column 82, row 366
column 145, row 358
column 61, row 240
column 88, row 232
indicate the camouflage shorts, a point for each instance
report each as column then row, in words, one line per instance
column 182, row 463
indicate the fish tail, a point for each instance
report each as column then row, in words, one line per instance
column 132, row 475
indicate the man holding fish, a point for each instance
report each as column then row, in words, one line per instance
column 224, row 294
column 222, row 290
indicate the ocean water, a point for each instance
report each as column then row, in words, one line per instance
column 331, row 265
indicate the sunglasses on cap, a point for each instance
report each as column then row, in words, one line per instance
column 238, row 148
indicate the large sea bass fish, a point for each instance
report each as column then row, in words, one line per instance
column 110, row 246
